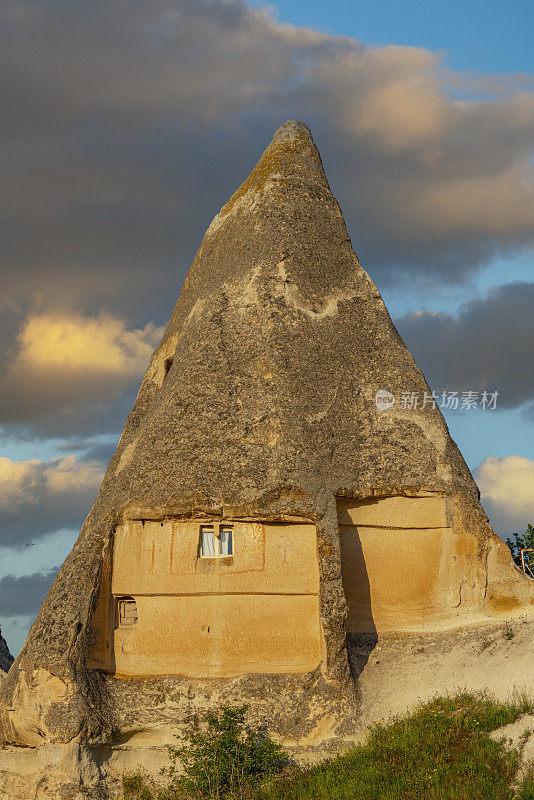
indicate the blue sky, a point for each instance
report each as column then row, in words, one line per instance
column 129, row 136
column 485, row 35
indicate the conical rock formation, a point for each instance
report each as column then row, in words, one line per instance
column 6, row 659
column 259, row 408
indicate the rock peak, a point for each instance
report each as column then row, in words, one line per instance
column 292, row 129
column 291, row 153
column 291, row 156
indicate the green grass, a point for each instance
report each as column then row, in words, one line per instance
column 526, row 788
column 441, row 751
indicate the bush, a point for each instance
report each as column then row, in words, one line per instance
column 137, row 787
column 133, row 788
column 226, row 758
column 520, row 542
column 441, row 751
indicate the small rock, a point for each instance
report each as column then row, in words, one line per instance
column 6, row 659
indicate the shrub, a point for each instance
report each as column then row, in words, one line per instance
column 226, row 758
column 137, row 787
column 134, row 788
column 441, row 751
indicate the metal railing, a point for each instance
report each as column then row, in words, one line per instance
column 527, row 563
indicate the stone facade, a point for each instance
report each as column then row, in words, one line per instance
column 204, row 615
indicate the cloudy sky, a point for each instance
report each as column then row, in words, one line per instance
column 126, row 125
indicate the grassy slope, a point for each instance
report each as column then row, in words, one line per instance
column 439, row 752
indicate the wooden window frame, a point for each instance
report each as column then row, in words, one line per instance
column 218, row 528
column 123, row 601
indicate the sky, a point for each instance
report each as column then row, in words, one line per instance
column 125, row 128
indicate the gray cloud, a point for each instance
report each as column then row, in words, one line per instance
column 102, row 452
column 23, row 596
column 91, row 448
column 40, row 497
column 127, row 126
column 130, row 125
column 85, row 417
column 488, row 345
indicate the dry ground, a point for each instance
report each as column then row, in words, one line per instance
column 405, row 669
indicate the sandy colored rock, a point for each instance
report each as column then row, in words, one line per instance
column 259, row 409
column 520, row 736
column 412, row 668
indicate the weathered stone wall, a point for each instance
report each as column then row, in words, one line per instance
column 417, row 562
column 256, row 611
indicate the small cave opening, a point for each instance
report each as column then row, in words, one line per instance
column 167, row 366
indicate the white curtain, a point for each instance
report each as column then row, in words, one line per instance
column 208, row 542
column 226, row 542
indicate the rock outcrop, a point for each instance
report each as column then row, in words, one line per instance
column 262, row 414
column 6, row 659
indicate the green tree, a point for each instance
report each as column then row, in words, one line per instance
column 520, row 542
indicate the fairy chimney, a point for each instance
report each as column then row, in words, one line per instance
column 266, row 499
column 6, row 659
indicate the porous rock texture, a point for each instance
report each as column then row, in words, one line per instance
column 258, row 403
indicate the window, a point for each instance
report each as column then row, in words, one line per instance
column 127, row 611
column 207, row 542
column 225, row 542
column 216, row 541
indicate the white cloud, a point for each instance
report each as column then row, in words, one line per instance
column 78, row 343
column 64, row 361
column 507, row 492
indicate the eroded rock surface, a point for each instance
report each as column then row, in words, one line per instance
column 260, row 405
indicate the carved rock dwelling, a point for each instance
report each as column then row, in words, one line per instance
column 259, row 508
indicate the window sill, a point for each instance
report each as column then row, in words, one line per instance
column 218, row 559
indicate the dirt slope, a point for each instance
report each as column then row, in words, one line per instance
column 403, row 670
